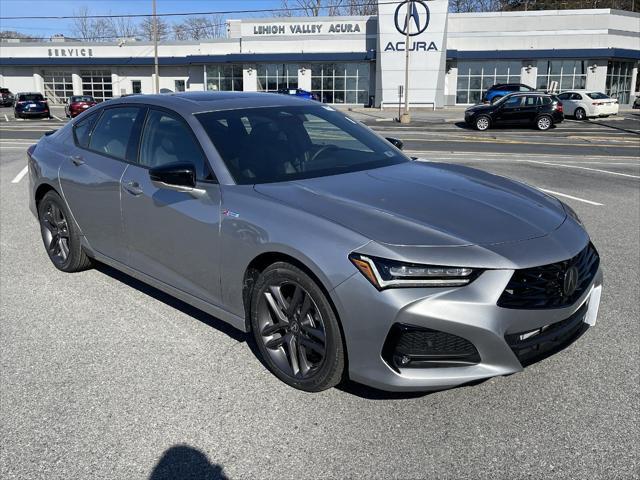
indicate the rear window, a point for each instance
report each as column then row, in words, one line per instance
column 30, row 97
column 82, row 98
column 598, row 96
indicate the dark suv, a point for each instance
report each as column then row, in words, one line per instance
column 6, row 97
column 536, row 109
column 500, row 90
column 31, row 104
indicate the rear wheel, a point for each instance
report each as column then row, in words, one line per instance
column 580, row 114
column 544, row 122
column 482, row 123
column 296, row 329
column 60, row 236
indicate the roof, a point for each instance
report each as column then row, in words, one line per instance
column 198, row 102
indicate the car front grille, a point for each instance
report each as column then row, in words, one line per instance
column 534, row 345
column 544, row 287
column 407, row 346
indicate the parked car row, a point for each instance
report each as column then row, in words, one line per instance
column 34, row 104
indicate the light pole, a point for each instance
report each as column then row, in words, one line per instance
column 405, row 117
column 155, row 48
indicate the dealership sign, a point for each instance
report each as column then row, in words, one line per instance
column 424, row 23
column 269, row 29
column 70, row 52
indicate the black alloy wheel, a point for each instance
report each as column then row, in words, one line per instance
column 296, row 329
column 60, row 236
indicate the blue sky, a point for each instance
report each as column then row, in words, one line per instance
column 46, row 28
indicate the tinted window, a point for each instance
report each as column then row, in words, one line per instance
column 531, row 101
column 546, row 100
column 524, row 88
column 576, row 96
column 82, row 130
column 30, row 97
column 510, row 88
column 598, row 96
column 564, row 96
column 82, row 98
column 168, row 139
column 512, row 102
column 113, row 132
column 288, row 143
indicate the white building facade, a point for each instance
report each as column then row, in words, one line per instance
column 452, row 58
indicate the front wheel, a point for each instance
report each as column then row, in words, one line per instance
column 482, row 123
column 544, row 123
column 60, row 236
column 296, row 330
column 580, row 114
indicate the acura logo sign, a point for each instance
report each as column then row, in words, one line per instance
column 570, row 281
column 416, row 20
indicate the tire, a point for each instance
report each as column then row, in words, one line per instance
column 580, row 114
column 544, row 122
column 314, row 337
column 482, row 123
column 495, row 99
column 60, row 236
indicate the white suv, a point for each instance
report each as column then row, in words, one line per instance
column 583, row 104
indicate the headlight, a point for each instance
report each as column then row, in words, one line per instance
column 571, row 212
column 384, row 273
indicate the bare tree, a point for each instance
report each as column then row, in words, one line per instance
column 91, row 29
column 311, row 8
column 145, row 29
column 200, row 28
column 123, row 27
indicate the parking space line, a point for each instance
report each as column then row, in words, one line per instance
column 6, row 118
column 581, row 168
column 58, row 118
column 20, row 175
column 590, row 202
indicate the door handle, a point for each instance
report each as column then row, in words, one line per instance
column 77, row 160
column 133, row 188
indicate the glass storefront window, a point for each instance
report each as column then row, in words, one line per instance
column 475, row 77
column 58, row 85
column 619, row 81
column 341, row 82
column 224, row 78
column 97, row 83
column 569, row 74
column 273, row 77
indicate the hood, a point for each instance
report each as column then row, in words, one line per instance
column 479, row 107
column 425, row 204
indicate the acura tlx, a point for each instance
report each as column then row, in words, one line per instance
column 342, row 256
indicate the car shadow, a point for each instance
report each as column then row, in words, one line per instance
column 173, row 302
column 182, row 462
column 465, row 126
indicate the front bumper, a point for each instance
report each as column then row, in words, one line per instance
column 470, row 312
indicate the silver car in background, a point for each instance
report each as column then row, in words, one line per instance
column 342, row 256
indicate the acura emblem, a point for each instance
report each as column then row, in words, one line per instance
column 418, row 19
column 570, row 281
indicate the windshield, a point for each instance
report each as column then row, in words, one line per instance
column 598, row 96
column 31, row 97
column 278, row 144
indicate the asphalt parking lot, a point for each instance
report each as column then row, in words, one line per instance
column 103, row 377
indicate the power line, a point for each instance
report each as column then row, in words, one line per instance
column 186, row 14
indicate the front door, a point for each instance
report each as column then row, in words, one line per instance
column 509, row 111
column 173, row 236
column 90, row 176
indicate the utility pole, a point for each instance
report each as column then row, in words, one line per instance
column 155, row 48
column 405, row 117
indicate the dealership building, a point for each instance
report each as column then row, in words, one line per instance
column 359, row 61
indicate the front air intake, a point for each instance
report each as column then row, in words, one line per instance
column 408, row 346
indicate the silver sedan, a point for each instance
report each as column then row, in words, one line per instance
column 343, row 257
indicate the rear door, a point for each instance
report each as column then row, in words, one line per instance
column 531, row 106
column 173, row 236
column 90, row 176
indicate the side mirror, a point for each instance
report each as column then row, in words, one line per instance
column 395, row 142
column 179, row 176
